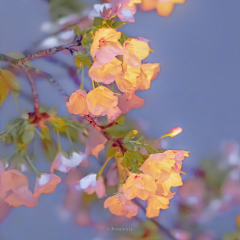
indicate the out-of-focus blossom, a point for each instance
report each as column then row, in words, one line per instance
column 95, row 141
column 231, row 192
column 124, row 9
column 4, row 209
column 105, row 73
column 180, row 234
column 72, row 197
column 77, row 103
column 139, row 185
column 192, row 192
column 63, row 164
column 112, row 175
column 134, row 52
column 205, row 236
column 119, row 205
column 230, row 151
column 99, row 10
column 90, row 185
column 164, row 7
column 105, row 45
column 126, row 103
column 83, row 218
column 47, row 183
column 155, row 203
column 101, row 102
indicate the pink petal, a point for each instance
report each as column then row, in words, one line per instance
column 113, row 113
column 4, row 209
column 106, row 54
column 12, row 180
column 47, row 183
column 22, row 196
column 100, row 188
column 112, row 175
column 94, row 139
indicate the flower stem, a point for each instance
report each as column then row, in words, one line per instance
column 93, row 85
column 101, row 170
column 32, row 166
column 82, row 80
column 162, row 229
column 59, row 143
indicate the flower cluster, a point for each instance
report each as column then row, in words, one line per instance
column 119, row 63
column 160, row 172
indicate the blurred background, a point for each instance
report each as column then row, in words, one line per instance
column 197, row 89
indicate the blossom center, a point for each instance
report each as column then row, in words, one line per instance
column 102, row 42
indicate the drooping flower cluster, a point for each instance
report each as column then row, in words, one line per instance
column 119, row 63
column 158, row 175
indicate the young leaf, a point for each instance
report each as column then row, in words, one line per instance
column 123, row 38
column 4, row 89
column 76, row 29
column 97, row 22
column 49, row 149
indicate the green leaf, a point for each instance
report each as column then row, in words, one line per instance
column 97, row 22
column 11, row 80
column 120, row 120
column 52, row 111
column 120, row 131
column 132, row 134
column 129, row 146
column 235, row 235
column 15, row 97
column 85, row 61
column 4, row 89
column 76, row 29
column 81, row 54
column 63, row 8
column 117, row 24
column 49, row 149
column 123, row 38
column 27, row 136
column 87, row 40
column 46, row 134
column 43, row 108
column 131, row 159
column 111, row 152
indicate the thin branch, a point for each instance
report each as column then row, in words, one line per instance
column 34, row 90
column 161, row 228
column 116, row 141
column 47, row 52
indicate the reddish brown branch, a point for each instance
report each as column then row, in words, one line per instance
column 47, row 52
column 116, row 141
column 34, row 90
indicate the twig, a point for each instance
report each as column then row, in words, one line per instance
column 161, row 228
column 47, row 52
column 34, row 90
column 116, row 141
